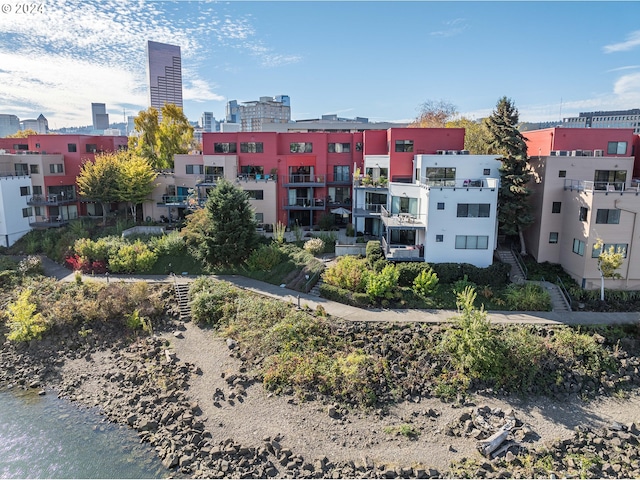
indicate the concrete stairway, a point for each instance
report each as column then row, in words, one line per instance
column 516, row 275
column 182, row 295
column 558, row 301
column 315, row 291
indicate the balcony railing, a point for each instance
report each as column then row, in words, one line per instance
column 459, row 183
column 174, row 200
column 51, row 200
column 257, row 177
column 589, row 186
column 298, row 178
column 301, row 203
column 402, row 252
column 52, row 222
column 209, row 179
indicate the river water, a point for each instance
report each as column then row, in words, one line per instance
column 47, row 437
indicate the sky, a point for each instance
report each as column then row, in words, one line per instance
column 375, row 59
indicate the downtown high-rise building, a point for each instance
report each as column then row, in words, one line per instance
column 164, row 68
column 99, row 116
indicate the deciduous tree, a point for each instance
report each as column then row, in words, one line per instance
column 514, row 211
column 609, row 260
column 434, row 114
column 476, row 136
column 135, row 180
column 23, row 133
column 99, row 180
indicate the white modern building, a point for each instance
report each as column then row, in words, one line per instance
column 15, row 191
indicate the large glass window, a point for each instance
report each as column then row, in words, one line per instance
column 251, row 147
column 21, row 169
column 225, row 147
column 604, row 215
column 404, row 205
column 71, row 147
column 608, row 179
column 341, row 173
column 617, row 247
column 255, row 194
column 339, row 147
column 441, row 175
column 301, row 147
column 578, row 247
column 616, row 148
column 472, row 242
column 556, row 207
column 197, row 169
column 339, row 195
column 474, row 210
column 404, row 145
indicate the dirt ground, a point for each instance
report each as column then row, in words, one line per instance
column 309, row 430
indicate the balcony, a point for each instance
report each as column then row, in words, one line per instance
column 369, row 210
column 402, row 253
column 441, row 183
column 51, row 200
column 305, row 204
column 181, row 201
column 402, row 221
column 604, row 187
column 209, row 179
column 257, row 177
column 52, row 222
column 371, row 183
column 304, row 180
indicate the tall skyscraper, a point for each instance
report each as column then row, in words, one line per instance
column 100, row 116
column 164, row 68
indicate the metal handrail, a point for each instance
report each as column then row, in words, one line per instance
column 309, row 285
column 565, row 292
column 520, row 262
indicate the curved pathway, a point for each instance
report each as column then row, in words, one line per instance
column 348, row 312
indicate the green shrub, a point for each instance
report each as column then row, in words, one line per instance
column 349, row 273
column 350, row 231
column 329, row 239
column 408, row 271
column 461, row 285
column 326, row 222
column 171, row 244
column 383, row 285
column 425, row 282
column 344, row 296
column 279, row 230
column 527, row 297
column 373, row 252
column 264, row 258
column 448, row 273
column 132, row 258
column 214, row 305
column 24, row 323
column 314, row 246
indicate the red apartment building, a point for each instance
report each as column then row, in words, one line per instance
column 314, row 170
column 54, row 162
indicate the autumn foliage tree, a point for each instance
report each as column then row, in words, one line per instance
column 98, row 180
column 434, row 114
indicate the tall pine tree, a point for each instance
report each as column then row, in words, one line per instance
column 229, row 235
column 514, row 210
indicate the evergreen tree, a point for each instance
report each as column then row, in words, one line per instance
column 229, row 235
column 514, row 211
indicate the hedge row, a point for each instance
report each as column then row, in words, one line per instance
column 496, row 275
column 344, row 296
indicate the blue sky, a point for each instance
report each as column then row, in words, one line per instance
column 372, row 59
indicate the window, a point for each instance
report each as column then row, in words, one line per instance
column 404, row 145
column 617, row 247
column 259, row 218
column 486, row 171
column 578, row 247
column 439, row 238
column 584, row 214
column 440, row 205
column 71, row 147
column 37, row 190
column 555, row 207
column 473, row 210
column 27, row 212
column 358, row 146
column 616, row 148
column 472, row 242
column 340, row 195
column 37, row 211
column 339, row 148
column 92, row 148
column 553, row 237
column 56, row 168
column 301, row 147
column 255, row 194
column 34, row 169
column 251, row 147
column 22, row 169
column 225, row 147
column 24, row 191
column 37, row 145
column 341, row 173
column 604, row 215
column 197, row 169
column 606, row 179
column 562, row 174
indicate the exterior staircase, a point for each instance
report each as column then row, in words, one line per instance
column 558, row 300
column 182, row 295
column 517, row 275
column 315, row 290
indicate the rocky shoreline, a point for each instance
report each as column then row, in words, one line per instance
column 143, row 384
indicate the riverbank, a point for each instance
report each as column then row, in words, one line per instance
column 195, row 399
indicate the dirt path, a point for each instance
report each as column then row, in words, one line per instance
column 309, row 430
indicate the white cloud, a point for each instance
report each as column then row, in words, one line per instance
column 632, row 41
column 199, row 91
column 452, row 28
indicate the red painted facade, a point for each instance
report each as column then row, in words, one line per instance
column 542, row 142
column 297, row 157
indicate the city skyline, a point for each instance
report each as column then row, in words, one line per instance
column 374, row 59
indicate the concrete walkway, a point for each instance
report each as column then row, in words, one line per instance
column 348, row 312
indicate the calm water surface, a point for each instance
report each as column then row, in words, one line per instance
column 47, row 437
